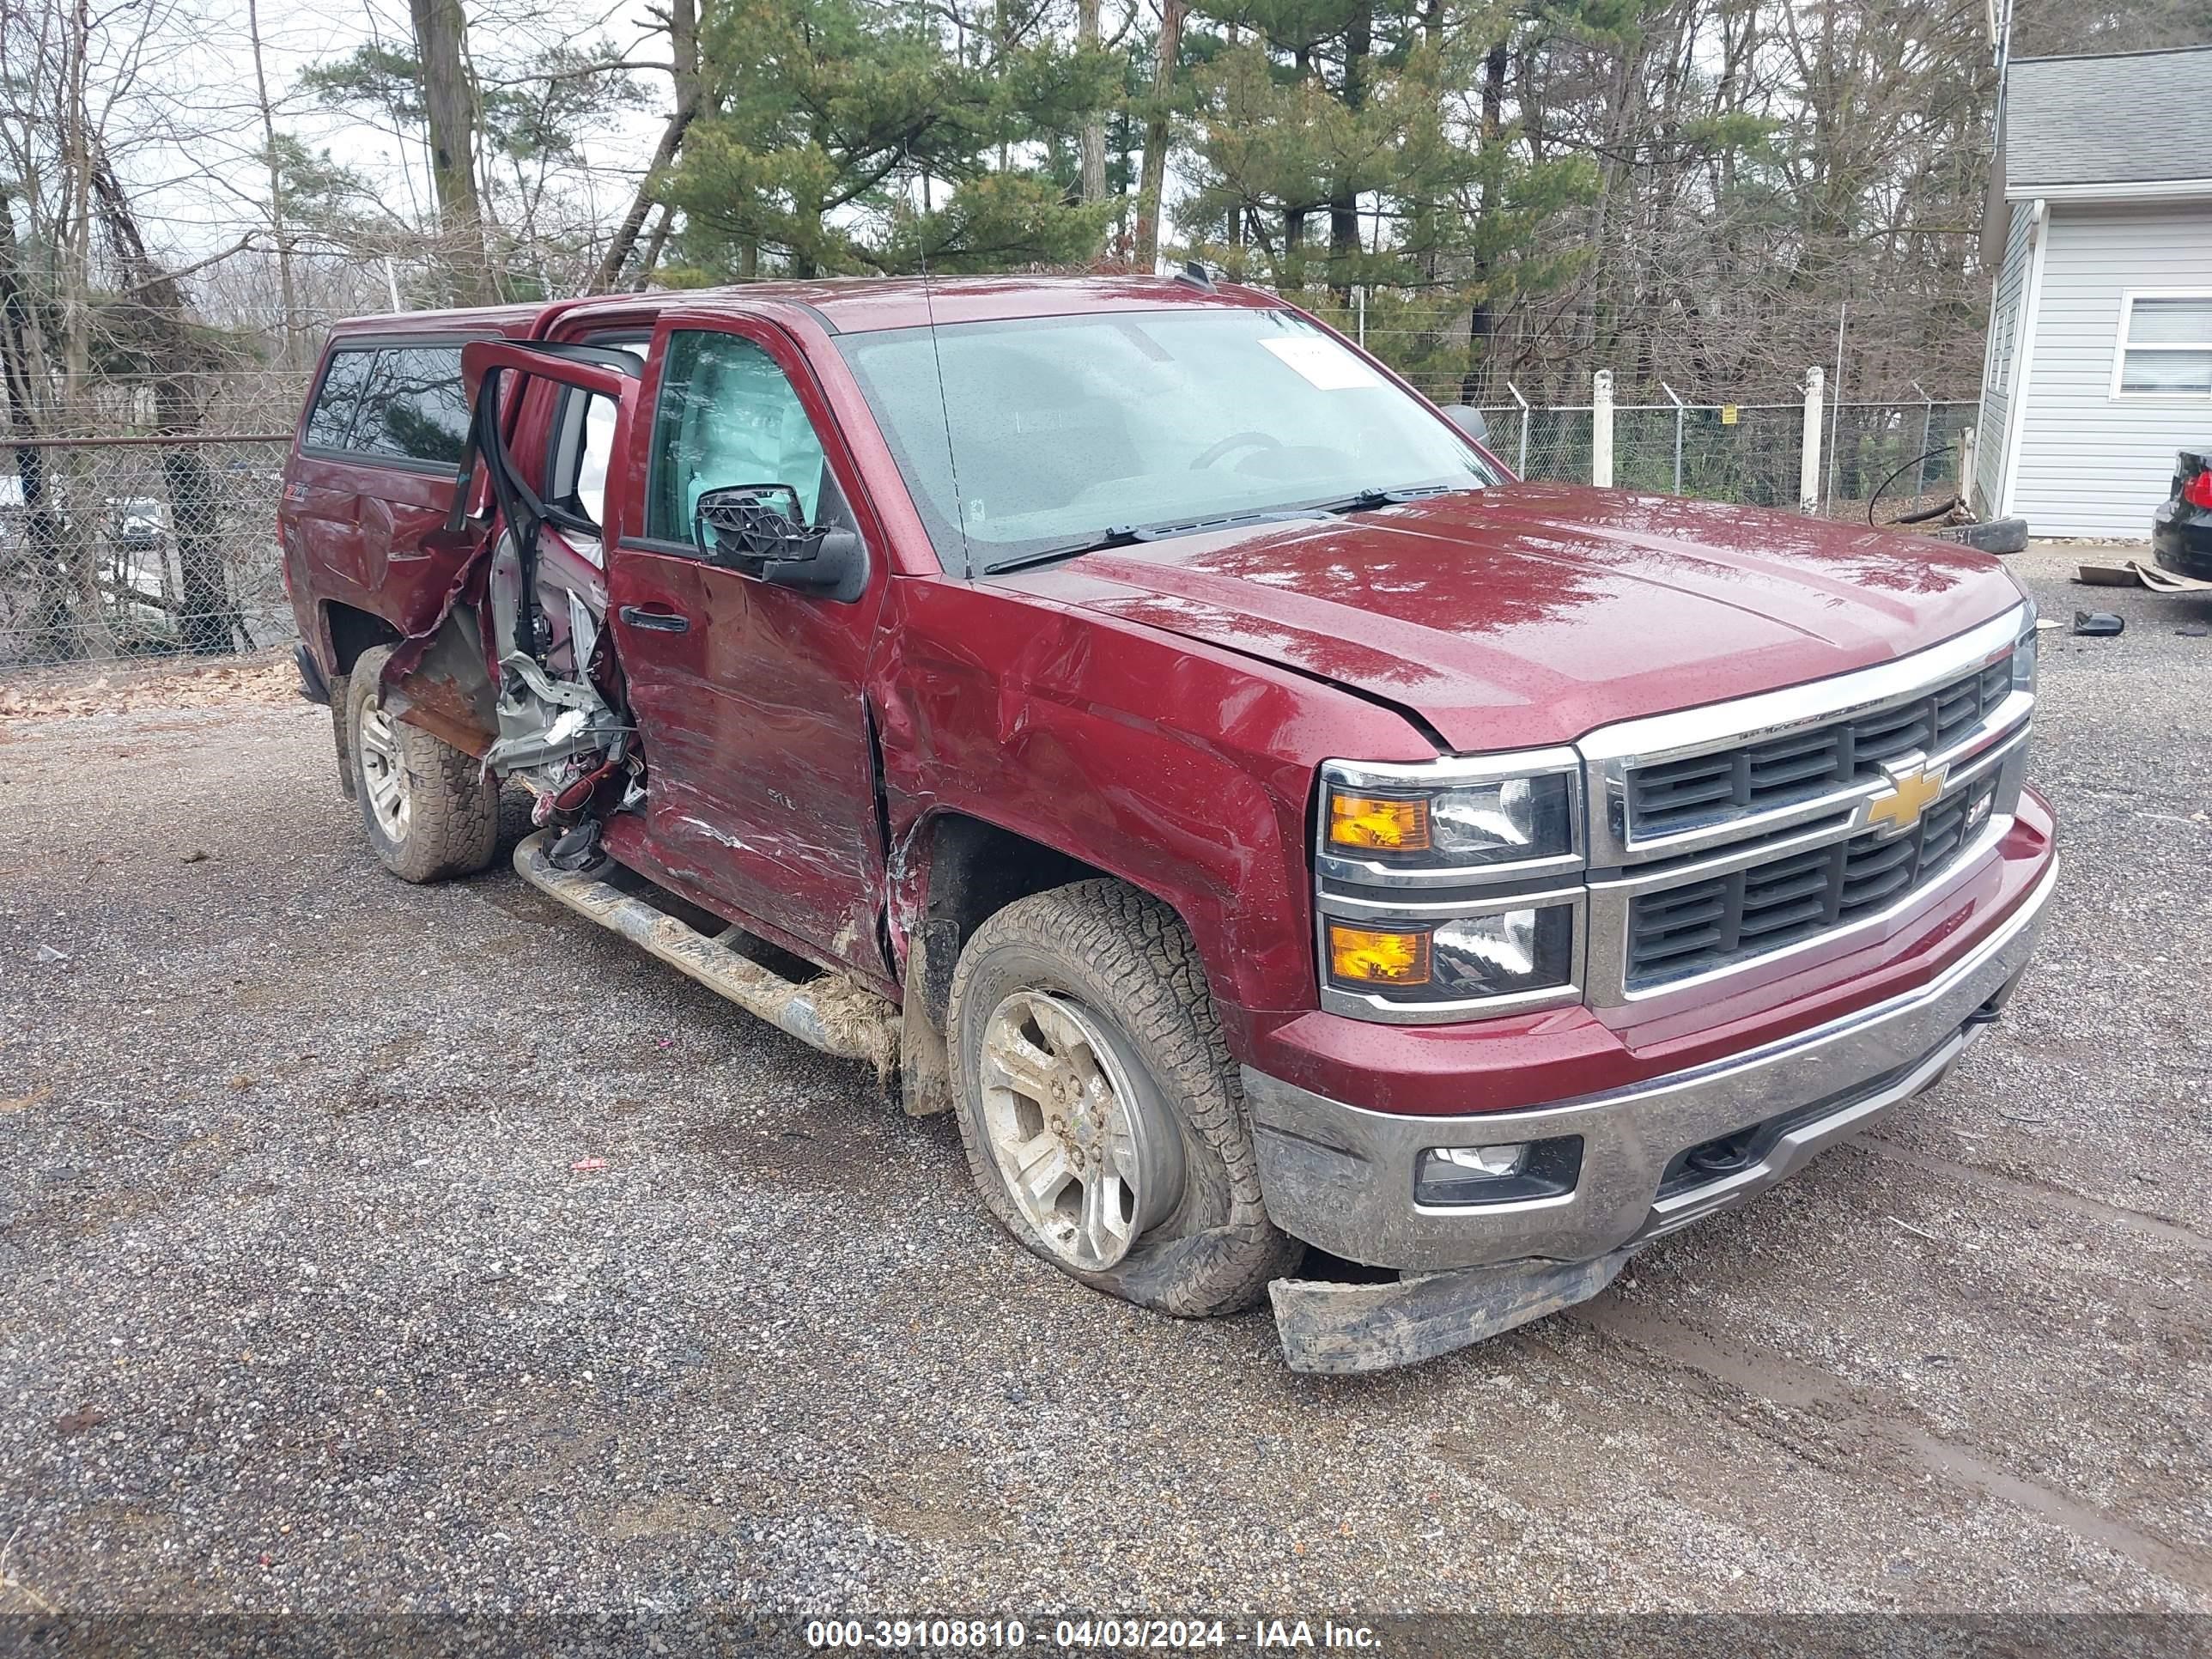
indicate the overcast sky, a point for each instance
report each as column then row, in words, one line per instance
column 190, row 141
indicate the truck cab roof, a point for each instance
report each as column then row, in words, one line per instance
column 843, row 304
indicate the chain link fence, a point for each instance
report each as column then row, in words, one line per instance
column 1906, row 454
column 138, row 520
column 1751, row 454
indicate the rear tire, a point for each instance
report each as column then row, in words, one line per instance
column 1103, row 1117
column 429, row 814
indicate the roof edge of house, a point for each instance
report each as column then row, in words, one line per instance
column 2081, row 57
column 2109, row 189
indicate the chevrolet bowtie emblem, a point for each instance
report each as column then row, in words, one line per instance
column 1911, row 790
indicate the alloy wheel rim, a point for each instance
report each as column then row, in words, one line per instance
column 1089, row 1161
column 384, row 770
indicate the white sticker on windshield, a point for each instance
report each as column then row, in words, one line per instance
column 1321, row 360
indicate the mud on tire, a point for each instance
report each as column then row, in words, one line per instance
column 450, row 825
column 1127, row 962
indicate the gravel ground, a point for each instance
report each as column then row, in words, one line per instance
column 305, row 1304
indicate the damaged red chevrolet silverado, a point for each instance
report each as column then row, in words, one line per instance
column 1133, row 716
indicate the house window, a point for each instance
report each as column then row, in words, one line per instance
column 2165, row 346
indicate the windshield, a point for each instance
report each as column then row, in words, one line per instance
column 1064, row 430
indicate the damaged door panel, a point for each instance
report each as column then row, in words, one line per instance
column 516, row 671
column 373, row 476
column 745, row 677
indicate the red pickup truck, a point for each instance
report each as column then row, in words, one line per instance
column 1133, row 717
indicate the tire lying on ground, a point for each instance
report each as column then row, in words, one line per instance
column 429, row 814
column 1101, row 1114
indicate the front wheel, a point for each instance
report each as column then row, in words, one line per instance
column 1101, row 1114
column 429, row 812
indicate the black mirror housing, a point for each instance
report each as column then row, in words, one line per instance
column 837, row 569
column 758, row 530
column 1469, row 419
column 739, row 524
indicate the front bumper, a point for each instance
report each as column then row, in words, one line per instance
column 1341, row 1178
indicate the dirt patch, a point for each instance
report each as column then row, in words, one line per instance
column 265, row 678
column 933, row 1499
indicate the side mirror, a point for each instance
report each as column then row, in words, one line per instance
column 1469, row 419
column 837, row 569
column 758, row 530
column 740, row 525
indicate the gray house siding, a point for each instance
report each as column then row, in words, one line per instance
column 2090, row 463
column 1998, row 371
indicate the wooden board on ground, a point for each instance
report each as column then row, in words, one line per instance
column 2135, row 573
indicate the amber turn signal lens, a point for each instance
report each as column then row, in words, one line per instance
column 1390, row 826
column 1360, row 955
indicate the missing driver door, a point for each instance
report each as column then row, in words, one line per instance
column 747, row 693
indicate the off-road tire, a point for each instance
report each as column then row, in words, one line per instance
column 453, row 826
column 1129, row 962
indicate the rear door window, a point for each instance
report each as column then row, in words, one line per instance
column 582, row 450
column 392, row 402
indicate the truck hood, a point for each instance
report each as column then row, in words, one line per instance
column 1528, row 614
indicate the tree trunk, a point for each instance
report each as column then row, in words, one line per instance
column 288, row 300
column 68, row 404
column 1154, row 177
column 439, row 28
column 690, row 97
column 1344, row 243
column 53, row 633
column 153, row 308
column 1093, row 137
column 1481, row 321
column 653, row 244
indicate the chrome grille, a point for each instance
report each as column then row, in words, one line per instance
column 1699, row 925
column 1700, row 789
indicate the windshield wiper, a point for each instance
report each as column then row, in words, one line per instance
column 1129, row 535
column 1366, row 500
column 1124, row 535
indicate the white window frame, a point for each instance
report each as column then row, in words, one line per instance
column 2000, row 346
column 2121, row 348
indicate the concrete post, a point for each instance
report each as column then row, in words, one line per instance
column 1808, row 459
column 1676, row 398
column 1601, row 428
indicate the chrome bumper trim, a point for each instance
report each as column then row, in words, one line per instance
column 1341, row 1176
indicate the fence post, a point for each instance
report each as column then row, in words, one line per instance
column 1927, row 430
column 1809, row 460
column 1359, row 296
column 1520, row 470
column 1601, row 428
column 1671, row 392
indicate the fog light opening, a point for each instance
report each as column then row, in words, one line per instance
column 1496, row 1162
column 1501, row 1173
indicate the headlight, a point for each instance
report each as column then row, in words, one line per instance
column 1501, row 954
column 1442, row 887
column 1398, row 824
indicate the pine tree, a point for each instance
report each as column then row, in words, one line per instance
column 848, row 136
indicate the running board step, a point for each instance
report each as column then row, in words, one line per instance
column 832, row 1014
